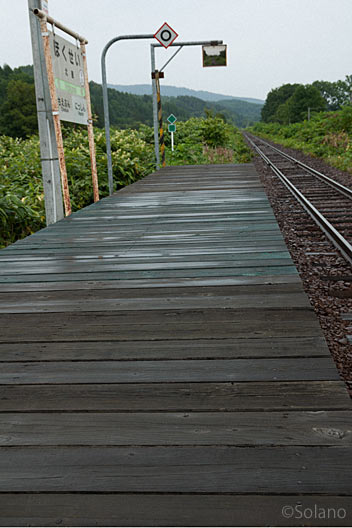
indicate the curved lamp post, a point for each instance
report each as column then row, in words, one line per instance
column 106, row 100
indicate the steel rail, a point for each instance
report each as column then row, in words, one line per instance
column 328, row 229
column 329, row 181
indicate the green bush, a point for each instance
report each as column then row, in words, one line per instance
column 327, row 135
column 22, row 211
column 205, row 141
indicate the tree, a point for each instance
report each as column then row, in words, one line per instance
column 304, row 97
column 18, row 117
column 282, row 114
column 276, row 98
column 336, row 94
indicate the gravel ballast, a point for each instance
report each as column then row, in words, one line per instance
column 326, row 277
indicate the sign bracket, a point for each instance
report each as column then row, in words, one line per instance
column 55, row 113
column 170, row 59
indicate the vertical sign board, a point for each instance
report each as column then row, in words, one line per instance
column 68, row 70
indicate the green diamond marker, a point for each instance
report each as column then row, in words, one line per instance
column 171, row 119
column 172, row 128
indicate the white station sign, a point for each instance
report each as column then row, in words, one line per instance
column 166, row 35
column 67, row 62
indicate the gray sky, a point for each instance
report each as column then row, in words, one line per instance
column 270, row 42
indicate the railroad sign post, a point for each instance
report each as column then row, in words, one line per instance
column 54, row 210
column 172, row 128
column 161, row 140
column 67, row 78
column 165, row 36
column 157, row 74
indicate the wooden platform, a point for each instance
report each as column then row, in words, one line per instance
column 162, row 366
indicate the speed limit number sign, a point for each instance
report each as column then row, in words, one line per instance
column 166, row 35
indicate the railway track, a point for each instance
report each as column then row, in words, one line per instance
column 325, row 200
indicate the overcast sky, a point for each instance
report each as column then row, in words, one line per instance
column 270, row 42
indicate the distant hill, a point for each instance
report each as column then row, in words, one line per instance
column 175, row 91
column 130, row 110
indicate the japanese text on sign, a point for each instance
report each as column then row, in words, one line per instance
column 69, row 80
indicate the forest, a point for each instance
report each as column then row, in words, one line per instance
column 18, row 108
column 314, row 118
column 292, row 103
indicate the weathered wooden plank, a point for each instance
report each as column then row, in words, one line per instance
column 140, row 252
column 148, row 283
column 244, row 396
column 100, row 266
column 205, row 226
column 148, row 256
column 177, row 469
column 165, row 349
column 157, row 274
column 200, row 224
column 126, row 509
column 159, row 242
column 121, row 263
column 243, row 297
column 101, row 331
column 299, row 428
column 146, row 239
column 297, row 301
column 278, row 369
column 304, row 316
column 203, row 237
column 272, row 242
column 199, row 292
column 111, row 223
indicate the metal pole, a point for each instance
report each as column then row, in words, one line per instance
column 155, row 83
column 93, row 162
column 160, row 120
column 48, row 149
column 106, row 99
column 155, row 110
column 41, row 14
column 56, row 117
column 172, row 141
column 192, row 43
